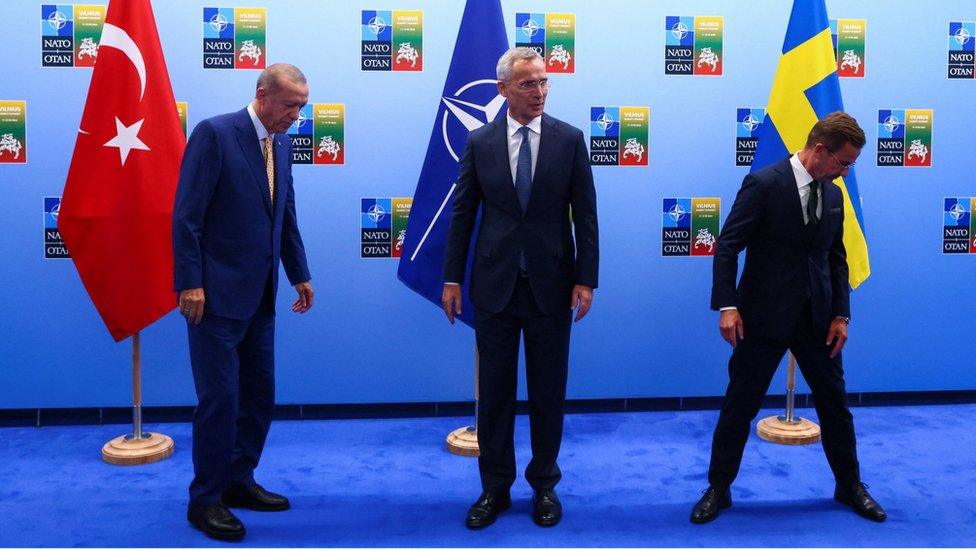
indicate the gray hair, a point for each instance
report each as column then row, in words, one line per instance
column 507, row 61
column 270, row 77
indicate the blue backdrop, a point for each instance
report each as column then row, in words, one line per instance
column 370, row 339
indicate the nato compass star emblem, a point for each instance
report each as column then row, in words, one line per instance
column 376, row 25
column 677, row 213
column 530, row 28
column 604, row 121
column 375, row 213
column 470, row 114
column 962, row 36
column 218, row 23
column 957, row 211
column 57, row 20
column 679, row 30
column 891, row 123
column 750, row 122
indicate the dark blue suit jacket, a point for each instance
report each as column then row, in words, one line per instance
column 786, row 263
column 562, row 186
column 227, row 237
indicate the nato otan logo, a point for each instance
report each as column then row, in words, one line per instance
column 959, row 226
column 384, row 226
column 392, row 41
column 848, row 36
column 619, row 136
column 551, row 35
column 690, row 226
column 234, row 38
column 962, row 50
column 317, row 136
column 70, row 34
column 693, row 45
column 13, row 132
column 905, row 137
column 747, row 125
column 53, row 243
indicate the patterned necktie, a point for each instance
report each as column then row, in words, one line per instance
column 269, row 163
column 812, row 218
column 523, row 169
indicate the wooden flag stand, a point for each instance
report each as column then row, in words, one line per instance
column 464, row 441
column 787, row 429
column 139, row 447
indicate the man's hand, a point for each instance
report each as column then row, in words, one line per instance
column 730, row 326
column 191, row 304
column 582, row 300
column 451, row 301
column 837, row 336
column 305, row 296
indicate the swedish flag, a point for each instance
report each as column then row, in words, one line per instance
column 805, row 89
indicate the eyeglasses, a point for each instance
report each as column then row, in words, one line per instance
column 533, row 84
column 844, row 165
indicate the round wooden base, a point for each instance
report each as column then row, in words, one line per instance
column 463, row 442
column 120, row 451
column 777, row 429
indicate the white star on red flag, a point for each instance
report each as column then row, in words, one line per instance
column 127, row 138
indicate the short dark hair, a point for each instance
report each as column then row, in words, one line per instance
column 834, row 130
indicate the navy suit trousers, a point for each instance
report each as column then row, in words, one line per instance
column 233, row 371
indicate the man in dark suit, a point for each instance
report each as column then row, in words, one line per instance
column 794, row 294
column 530, row 175
column 233, row 221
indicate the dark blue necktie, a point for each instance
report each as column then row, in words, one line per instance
column 523, row 178
column 523, row 169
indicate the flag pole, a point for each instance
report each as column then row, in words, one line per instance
column 786, row 428
column 464, row 441
column 137, row 447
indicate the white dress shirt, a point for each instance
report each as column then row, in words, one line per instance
column 803, row 179
column 258, row 127
column 515, row 141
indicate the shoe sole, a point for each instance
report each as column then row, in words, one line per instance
column 257, row 508
column 489, row 522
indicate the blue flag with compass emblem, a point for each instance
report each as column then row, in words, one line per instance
column 470, row 100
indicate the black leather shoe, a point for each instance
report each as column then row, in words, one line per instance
column 254, row 497
column 858, row 498
column 546, row 509
column 216, row 521
column 710, row 504
column 486, row 509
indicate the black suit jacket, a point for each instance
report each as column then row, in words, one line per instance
column 562, row 187
column 786, row 263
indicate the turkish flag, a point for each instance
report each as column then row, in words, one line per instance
column 116, row 212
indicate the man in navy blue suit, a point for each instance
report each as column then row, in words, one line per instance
column 233, row 222
column 529, row 174
column 793, row 294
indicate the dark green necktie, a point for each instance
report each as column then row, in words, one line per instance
column 812, row 218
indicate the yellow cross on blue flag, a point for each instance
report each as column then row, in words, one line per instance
column 805, row 89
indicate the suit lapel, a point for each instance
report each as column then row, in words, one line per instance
column 279, row 163
column 791, row 197
column 548, row 149
column 247, row 138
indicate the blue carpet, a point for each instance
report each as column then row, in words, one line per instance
column 629, row 480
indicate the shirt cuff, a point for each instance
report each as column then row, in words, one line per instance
column 728, row 309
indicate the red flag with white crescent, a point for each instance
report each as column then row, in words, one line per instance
column 117, row 207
